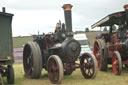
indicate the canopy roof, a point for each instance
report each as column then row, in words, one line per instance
column 115, row 18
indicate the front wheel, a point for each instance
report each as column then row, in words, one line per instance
column 116, row 63
column 10, row 74
column 88, row 65
column 55, row 69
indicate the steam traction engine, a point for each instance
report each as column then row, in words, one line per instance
column 57, row 53
column 112, row 47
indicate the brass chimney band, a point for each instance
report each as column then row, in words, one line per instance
column 67, row 7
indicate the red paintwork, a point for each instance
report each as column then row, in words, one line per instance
column 115, row 64
column 48, row 40
column 53, row 70
column 97, row 53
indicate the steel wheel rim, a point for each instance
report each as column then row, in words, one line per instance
column 28, row 62
column 97, row 54
column 87, row 68
column 115, row 64
column 53, row 70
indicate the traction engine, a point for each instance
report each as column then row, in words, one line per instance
column 57, row 53
column 112, row 47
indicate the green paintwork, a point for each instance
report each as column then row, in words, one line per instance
column 6, row 48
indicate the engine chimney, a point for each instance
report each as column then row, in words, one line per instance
column 126, row 11
column 68, row 19
column 3, row 9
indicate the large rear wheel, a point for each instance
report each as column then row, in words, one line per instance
column 105, row 62
column 32, row 60
column 88, row 65
column 55, row 69
column 116, row 63
column 99, row 54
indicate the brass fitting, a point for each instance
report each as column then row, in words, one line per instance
column 67, row 7
column 126, row 7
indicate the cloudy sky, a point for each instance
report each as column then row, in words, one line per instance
column 31, row 16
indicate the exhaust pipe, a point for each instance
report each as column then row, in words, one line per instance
column 68, row 19
column 3, row 9
column 126, row 11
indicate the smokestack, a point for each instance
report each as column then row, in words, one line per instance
column 68, row 18
column 126, row 11
column 3, row 9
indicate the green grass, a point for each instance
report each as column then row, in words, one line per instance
column 19, row 41
column 102, row 78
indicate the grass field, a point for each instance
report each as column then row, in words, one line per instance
column 102, row 78
column 19, row 41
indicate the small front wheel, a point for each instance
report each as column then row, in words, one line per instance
column 55, row 69
column 88, row 65
column 116, row 63
column 10, row 74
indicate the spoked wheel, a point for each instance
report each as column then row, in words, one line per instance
column 32, row 60
column 116, row 63
column 99, row 55
column 10, row 75
column 68, row 72
column 55, row 69
column 88, row 65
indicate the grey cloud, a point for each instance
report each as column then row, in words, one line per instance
column 95, row 10
column 87, row 11
column 31, row 4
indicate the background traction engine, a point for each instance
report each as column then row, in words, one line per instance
column 112, row 47
column 57, row 53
